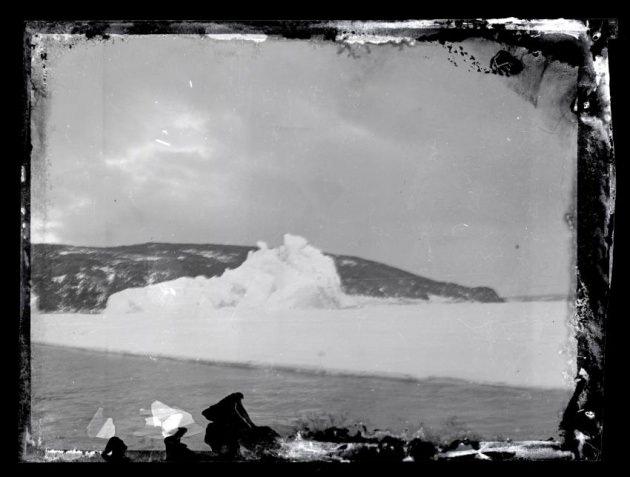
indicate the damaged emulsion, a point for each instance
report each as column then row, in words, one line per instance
column 582, row 423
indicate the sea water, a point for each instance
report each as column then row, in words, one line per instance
column 69, row 385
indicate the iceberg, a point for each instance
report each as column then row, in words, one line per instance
column 293, row 275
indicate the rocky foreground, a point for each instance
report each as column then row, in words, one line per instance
column 233, row 437
column 302, row 450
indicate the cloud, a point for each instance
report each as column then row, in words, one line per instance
column 45, row 229
column 383, row 156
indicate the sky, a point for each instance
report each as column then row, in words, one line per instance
column 389, row 153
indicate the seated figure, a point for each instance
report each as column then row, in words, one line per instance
column 115, row 450
column 231, row 427
column 176, row 451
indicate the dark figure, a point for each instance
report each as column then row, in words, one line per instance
column 421, row 450
column 175, row 450
column 232, row 427
column 115, row 450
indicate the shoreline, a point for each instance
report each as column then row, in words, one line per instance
column 125, row 384
column 300, row 370
column 291, row 451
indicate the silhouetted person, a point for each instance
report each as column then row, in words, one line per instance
column 115, row 450
column 176, row 451
column 231, row 426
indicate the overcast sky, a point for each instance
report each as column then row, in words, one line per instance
column 395, row 155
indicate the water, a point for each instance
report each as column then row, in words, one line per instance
column 69, row 385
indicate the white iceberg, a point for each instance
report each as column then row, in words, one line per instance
column 293, row 275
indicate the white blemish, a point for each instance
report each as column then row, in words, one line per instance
column 556, row 25
column 165, row 132
column 581, row 438
column 53, row 455
column 374, row 25
column 362, row 39
column 163, row 142
column 190, row 83
column 602, row 78
column 169, row 419
column 108, row 430
column 600, row 65
column 101, row 427
column 370, row 31
column 256, row 38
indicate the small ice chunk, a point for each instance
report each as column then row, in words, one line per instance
column 169, row 418
column 100, row 427
column 108, row 430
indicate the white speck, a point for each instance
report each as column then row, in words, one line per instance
column 518, row 117
column 509, row 140
column 164, row 131
column 155, row 102
column 162, row 142
column 557, row 25
column 364, row 38
column 235, row 36
column 190, row 83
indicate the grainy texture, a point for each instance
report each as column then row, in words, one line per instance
column 583, row 420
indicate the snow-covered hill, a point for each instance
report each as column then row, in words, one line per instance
column 69, row 278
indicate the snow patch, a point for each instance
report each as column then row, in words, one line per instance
column 224, row 258
column 256, row 38
column 348, row 262
column 293, row 275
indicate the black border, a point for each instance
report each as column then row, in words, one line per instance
column 297, row 29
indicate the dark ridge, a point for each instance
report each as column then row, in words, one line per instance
column 71, row 278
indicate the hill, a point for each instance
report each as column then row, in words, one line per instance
column 67, row 278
